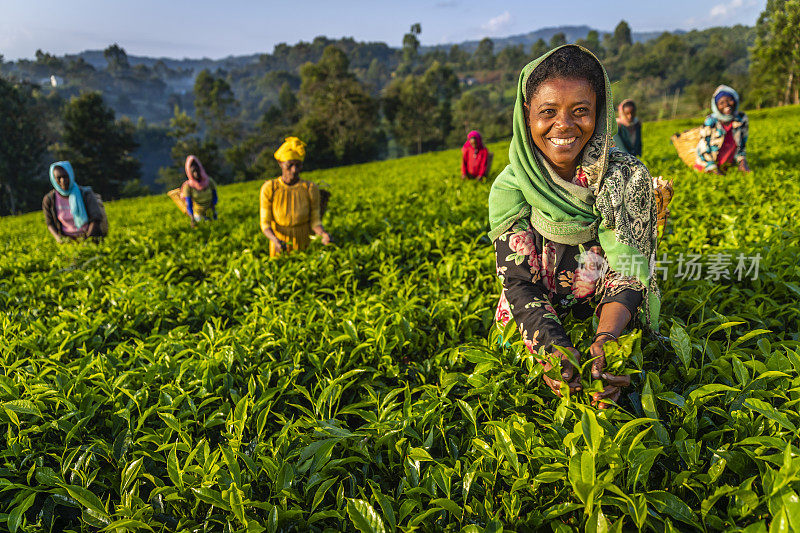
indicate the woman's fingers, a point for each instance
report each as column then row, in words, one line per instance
column 599, row 362
column 554, row 385
column 567, row 368
column 601, row 399
column 617, row 381
column 575, row 385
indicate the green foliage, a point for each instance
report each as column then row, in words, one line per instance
column 483, row 57
column 99, row 148
column 22, row 150
column 117, row 58
column 776, row 55
column 175, row 380
column 484, row 110
column 418, row 108
column 214, row 105
column 558, row 39
column 410, row 51
column 339, row 117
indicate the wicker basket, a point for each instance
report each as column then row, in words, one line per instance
column 175, row 196
column 686, row 145
column 663, row 192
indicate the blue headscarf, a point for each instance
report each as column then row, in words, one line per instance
column 724, row 90
column 76, row 206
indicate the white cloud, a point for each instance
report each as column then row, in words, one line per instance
column 724, row 10
column 497, row 24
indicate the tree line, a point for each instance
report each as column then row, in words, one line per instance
column 354, row 102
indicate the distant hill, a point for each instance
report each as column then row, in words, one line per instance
column 573, row 33
column 96, row 59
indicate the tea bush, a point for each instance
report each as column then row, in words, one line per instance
column 178, row 380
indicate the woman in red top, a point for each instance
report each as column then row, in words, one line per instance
column 474, row 158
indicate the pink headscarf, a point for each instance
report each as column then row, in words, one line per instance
column 195, row 184
column 470, row 135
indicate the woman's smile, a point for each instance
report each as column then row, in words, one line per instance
column 562, row 142
column 561, row 117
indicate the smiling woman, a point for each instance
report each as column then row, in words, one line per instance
column 573, row 220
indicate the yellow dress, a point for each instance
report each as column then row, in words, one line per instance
column 291, row 211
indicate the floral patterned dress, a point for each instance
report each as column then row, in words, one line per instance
column 542, row 279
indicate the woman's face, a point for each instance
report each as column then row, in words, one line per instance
column 726, row 105
column 629, row 112
column 195, row 170
column 473, row 142
column 62, row 178
column 561, row 116
column 291, row 169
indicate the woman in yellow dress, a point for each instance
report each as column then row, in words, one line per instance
column 290, row 207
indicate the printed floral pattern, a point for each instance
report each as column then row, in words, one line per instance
column 541, row 279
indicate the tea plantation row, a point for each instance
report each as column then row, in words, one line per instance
column 178, row 380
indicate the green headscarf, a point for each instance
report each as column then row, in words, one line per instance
column 572, row 215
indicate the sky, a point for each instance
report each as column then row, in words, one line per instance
column 219, row 28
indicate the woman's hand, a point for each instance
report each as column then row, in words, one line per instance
column 568, row 373
column 743, row 166
column 280, row 246
column 326, row 238
column 612, row 384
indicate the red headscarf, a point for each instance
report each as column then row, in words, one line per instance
column 476, row 135
column 474, row 161
column 200, row 184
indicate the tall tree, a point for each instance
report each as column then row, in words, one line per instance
column 22, row 149
column 511, row 58
column 483, row 58
column 410, row 49
column 339, row 118
column 117, row 58
column 559, row 39
column 418, row 108
column 99, row 148
column 775, row 68
column 592, row 42
column 457, row 56
column 616, row 42
column 539, row 48
column 215, row 107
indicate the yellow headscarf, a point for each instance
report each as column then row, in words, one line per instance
column 293, row 149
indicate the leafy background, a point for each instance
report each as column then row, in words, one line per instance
column 170, row 379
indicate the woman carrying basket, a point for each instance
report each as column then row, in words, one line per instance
column 724, row 135
column 199, row 192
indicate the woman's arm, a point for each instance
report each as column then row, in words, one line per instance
column 266, row 216
column 54, row 233
column 518, row 268
column 741, row 148
column 316, row 216
column 614, row 316
column 49, row 220
column 482, row 163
